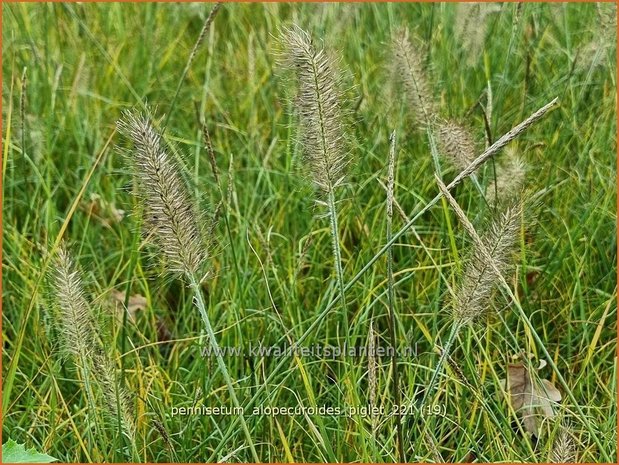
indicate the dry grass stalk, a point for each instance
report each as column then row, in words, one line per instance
column 391, row 172
column 502, row 142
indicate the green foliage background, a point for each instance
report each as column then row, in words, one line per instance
column 272, row 272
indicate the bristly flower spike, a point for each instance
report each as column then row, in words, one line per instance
column 170, row 217
column 411, row 72
column 322, row 133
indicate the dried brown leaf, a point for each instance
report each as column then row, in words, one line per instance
column 529, row 397
column 135, row 304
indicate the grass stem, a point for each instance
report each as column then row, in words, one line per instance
column 337, row 258
column 391, row 293
column 200, row 304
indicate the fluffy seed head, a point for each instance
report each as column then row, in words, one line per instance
column 457, row 144
column 510, row 177
column 318, row 105
column 79, row 331
column 563, row 450
column 474, row 293
column 75, row 319
column 471, row 26
column 170, row 217
column 412, row 74
column 593, row 53
column 115, row 399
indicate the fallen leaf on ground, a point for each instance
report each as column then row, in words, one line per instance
column 531, row 398
column 135, row 304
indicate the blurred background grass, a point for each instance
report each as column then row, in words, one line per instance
column 84, row 63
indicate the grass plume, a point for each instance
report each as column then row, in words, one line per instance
column 471, row 27
column 456, row 144
column 319, row 109
column 473, row 294
column 563, row 449
column 321, row 129
column 76, row 319
column 411, row 72
column 172, row 221
column 116, row 399
column 80, row 331
column 170, row 218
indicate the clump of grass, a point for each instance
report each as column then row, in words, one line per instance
column 172, row 222
column 79, row 339
column 251, row 117
column 489, row 260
